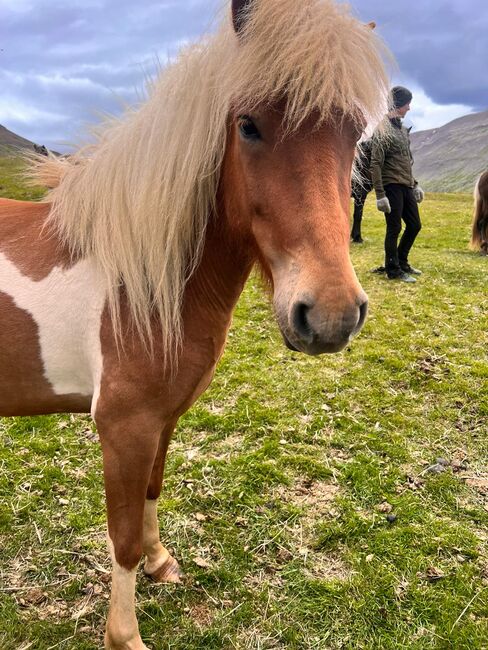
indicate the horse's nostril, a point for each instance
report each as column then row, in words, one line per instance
column 363, row 311
column 300, row 321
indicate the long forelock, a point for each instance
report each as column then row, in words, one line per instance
column 314, row 53
column 138, row 200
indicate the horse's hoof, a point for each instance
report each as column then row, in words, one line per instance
column 169, row 571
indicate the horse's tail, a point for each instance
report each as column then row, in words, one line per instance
column 46, row 170
column 479, row 231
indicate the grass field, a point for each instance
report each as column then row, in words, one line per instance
column 325, row 503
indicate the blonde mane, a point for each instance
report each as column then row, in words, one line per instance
column 138, row 200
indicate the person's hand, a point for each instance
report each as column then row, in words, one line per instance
column 383, row 205
column 418, row 193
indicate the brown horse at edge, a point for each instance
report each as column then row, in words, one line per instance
column 479, row 233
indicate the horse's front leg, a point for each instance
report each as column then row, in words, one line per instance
column 160, row 566
column 129, row 449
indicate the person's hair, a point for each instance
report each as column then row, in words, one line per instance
column 400, row 96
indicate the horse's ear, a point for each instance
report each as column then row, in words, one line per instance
column 371, row 25
column 239, row 10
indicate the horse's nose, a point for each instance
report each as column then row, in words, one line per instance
column 317, row 330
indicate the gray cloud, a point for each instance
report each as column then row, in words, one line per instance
column 441, row 45
column 73, row 61
column 62, row 62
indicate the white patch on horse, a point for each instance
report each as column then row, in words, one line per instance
column 67, row 308
column 156, row 554
column 122, row 630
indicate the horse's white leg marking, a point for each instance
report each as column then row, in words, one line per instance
column 159, row 563
column 156, row 554
column 122, row 629
column 67, row 307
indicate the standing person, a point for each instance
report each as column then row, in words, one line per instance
column 397, row 191
column 361, row 187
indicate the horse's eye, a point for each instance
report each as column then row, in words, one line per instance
column 248, row 129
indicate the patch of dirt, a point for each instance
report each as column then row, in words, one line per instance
column 253, row 638
column 222, row 406
column 328, row 566
column 478, row 483
column 336, row 453
column 432, row 366
column 202, row 615
column 224, row 449
column 431, row 574
column 39, row 595
column 267, row 576
column 315, row 496
column 217, row 450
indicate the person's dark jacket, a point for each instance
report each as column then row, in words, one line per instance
column 391, row 158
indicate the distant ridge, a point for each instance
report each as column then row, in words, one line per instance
column 11, row 142
column 451, row 157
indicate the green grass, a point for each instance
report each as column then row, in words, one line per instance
column 12, row 185
column 295, row 463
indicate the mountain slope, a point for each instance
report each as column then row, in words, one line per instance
column 10, row 141
column 451, row 157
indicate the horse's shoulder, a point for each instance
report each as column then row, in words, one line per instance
column 17, row 204
column 23, row 212
column 28, row 241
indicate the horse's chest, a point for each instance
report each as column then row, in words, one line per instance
column 50, row 332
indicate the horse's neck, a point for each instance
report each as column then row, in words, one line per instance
column 229, row 252
column 216, row 285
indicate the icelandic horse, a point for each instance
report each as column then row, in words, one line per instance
column 479, row 231
column 117, row 290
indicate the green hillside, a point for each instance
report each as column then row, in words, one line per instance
column 12, row 183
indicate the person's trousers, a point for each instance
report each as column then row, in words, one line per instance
column 403, row 207
column 359, row 194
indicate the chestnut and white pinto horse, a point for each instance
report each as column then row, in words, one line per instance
column 117, row 292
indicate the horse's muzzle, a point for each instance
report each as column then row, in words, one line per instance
column 311, row 331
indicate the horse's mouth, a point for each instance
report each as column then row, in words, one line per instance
column 289, row 345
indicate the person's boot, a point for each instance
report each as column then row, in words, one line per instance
column 405, row 266
column 403, row 277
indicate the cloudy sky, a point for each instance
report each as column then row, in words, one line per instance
column 63, row 62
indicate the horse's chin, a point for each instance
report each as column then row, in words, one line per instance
column 314, row 349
